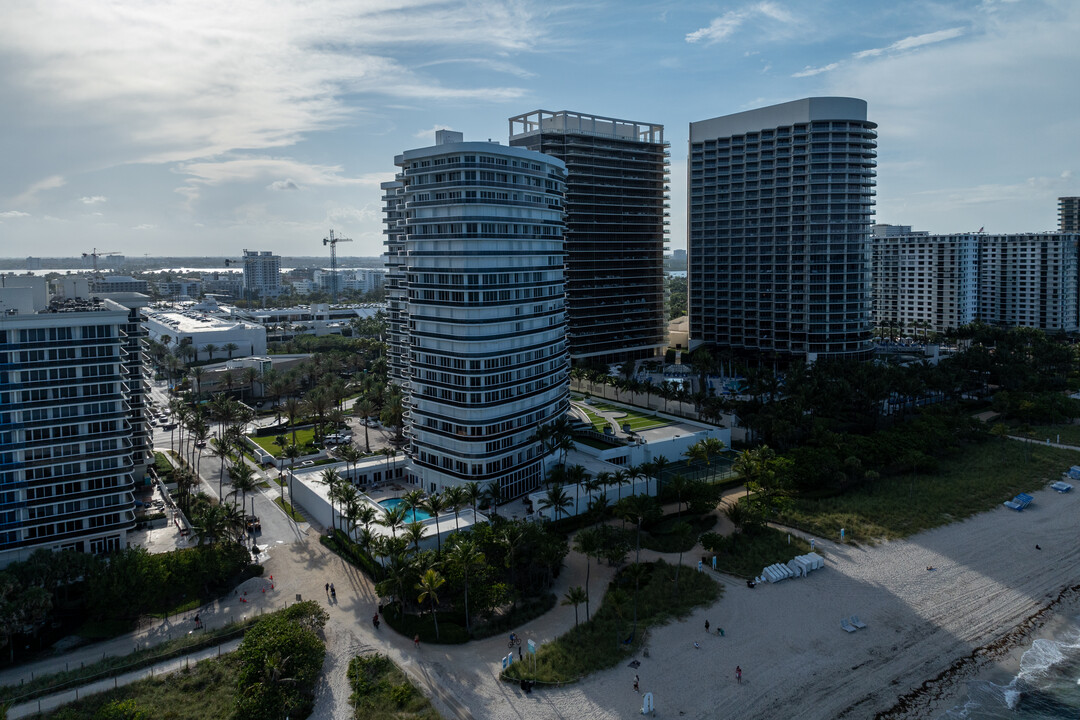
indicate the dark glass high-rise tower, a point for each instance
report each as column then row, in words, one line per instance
column 780, row 204
column 616, row 205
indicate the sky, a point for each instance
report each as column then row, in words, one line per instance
column 205, row 127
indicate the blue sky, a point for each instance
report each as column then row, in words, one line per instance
column 205, row 127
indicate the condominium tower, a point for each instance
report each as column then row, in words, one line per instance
column 935, row 283
column 262, row 273
column 476, row 308
column 780, row 203
column 616, row 205
column 924, row 282
column 1069, row 214
column 73, row 434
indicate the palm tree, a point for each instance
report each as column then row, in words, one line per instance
column 493, row 494
column 210, row 349
column 243, row 480
column 396, row 576
column 220, row 449
column 196, row 381
column 576, row 474
column 455, row 500
column 230, row 347
column 587, row 542
column 413, row 500
column 435, row 505
column 331, row 479
column 393, row 518
column 659, row 465
column 575, row 596
column 414, row 533
column 511, row 536
column 251, row 376
column 351, row 455
column 556, row 499
column 365, row 408
column 429, row 584
column 473, row 494
column 292, row 452
column 293, row 409
column 464, row 554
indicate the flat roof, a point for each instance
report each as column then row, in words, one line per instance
column 790, row 113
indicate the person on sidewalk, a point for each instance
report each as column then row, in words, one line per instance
column 416, row 640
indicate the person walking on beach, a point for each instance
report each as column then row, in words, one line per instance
column 706, row 626
column 738, row 674
column 636, row 684
column 416, row 640
column 327, row 589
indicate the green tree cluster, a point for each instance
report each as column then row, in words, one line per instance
column 279, row 661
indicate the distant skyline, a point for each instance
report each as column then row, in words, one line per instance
column 203, row 128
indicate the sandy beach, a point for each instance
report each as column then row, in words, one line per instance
column 928, row 631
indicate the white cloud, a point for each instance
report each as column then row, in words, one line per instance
column 912, row 42
column 170, row 82
column 30, row 194
column 718, row 29
column 429, row 133
column 8, row 214
column 811, row 71
column 93, row 199
column 144, row 226
column 984, row 117
column 724, row 26
column 245, row 169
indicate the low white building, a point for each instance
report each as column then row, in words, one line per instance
column 208, row 334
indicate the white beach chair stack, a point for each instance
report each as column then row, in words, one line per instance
column 798, row 567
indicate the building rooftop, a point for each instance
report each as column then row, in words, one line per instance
column 567, row 121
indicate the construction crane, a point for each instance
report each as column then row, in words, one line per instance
column 332, row 241
column 95, row 255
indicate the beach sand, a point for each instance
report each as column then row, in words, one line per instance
column 928, row 631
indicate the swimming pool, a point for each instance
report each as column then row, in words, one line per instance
column 413, row 515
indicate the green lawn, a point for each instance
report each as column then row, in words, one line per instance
column 267, row 443
column 980, row 477
column 599, row 643
column 638, row 420
column 598, row 422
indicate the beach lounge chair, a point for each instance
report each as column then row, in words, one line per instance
column 848, row 627
column 1024, row 499
column 1061, row 487
column 857, row 622
column 1013, row 505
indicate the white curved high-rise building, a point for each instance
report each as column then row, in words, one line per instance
column 476, row 294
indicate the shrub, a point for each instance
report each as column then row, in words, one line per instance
column 280, row 660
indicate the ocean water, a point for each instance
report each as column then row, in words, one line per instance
column 1046, row 687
